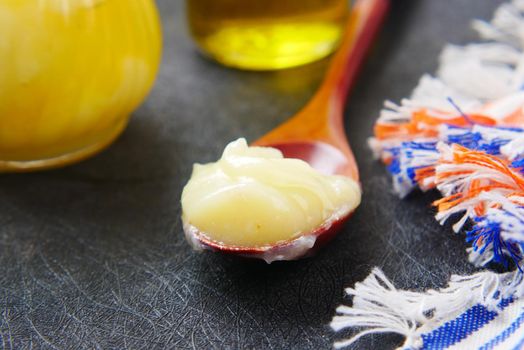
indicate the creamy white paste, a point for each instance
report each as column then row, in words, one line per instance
column 254, row 197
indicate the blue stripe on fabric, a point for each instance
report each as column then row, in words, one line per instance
column 520, row 345
column 461, row 327
column 515, row 325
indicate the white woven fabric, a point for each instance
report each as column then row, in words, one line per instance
column 484, row 310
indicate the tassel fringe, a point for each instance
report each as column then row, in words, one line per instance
column 461, row 132
column 379, row 307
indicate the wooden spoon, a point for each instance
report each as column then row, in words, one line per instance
column 316, row 133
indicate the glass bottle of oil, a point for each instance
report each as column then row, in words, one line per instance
column 266, row 34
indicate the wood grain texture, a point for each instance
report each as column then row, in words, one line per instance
column 93, row 256
column 321, row 122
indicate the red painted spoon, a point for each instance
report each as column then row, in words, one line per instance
column 316, row 134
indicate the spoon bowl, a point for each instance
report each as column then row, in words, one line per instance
column 316, row 135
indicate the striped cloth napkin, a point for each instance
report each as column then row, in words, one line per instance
column 460, row 133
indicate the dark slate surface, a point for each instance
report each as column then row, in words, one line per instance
column 93, row 256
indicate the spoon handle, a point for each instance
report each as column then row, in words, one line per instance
column 322, row 119
column 327, row 105
column 365, row 20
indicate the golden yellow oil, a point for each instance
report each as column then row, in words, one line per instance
column 71, row 73
column 267, row 34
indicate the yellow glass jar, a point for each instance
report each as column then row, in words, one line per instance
column 266, row 34
column 72, row 71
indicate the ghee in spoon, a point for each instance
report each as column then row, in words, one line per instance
column 254, row 197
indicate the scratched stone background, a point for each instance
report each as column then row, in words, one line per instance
column 93, row 256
